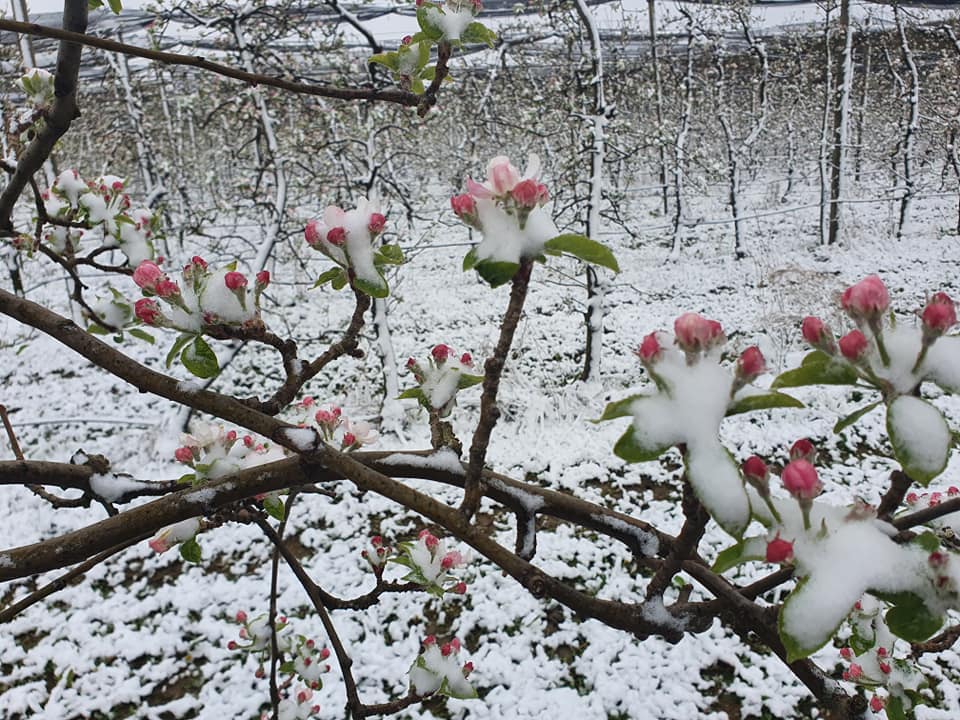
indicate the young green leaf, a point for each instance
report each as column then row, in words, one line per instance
column 177, row 347
column 142, row 335
column 920, row 437
column 496, row 272
column 631, row 448
column 199, row 359
column 190, row 550
column 817, row 368
column 619, row 408
column 331, row 276
column 763, row 401
column 590, row 251
column 844, row 423
column 912, row 620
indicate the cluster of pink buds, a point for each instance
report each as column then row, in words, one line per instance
column 696, row 334
column 933, row 499
column 440, row 356
column 332, row 233
column 153, row 281
column 310, row 663
column 211, row 453
column 799, row 478
column 377, row 553
column 255, row 634
column 438, row 668
column 430, row 564
column 298, row 706
column 517, row 194
column 441, row 377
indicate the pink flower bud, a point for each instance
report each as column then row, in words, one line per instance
column 813, row 330
column 466, row 359
column 912, row 498
column 935, row 499
column 451, row 560
column 939, row 315
column 853, row 345
column 248, row 441
column 695, row 333
column 460, row 588
column 349, row 440
column 650, row 349
column 263, row 278
column 953, row 491
column 406, row 39
column 803, row 449
column 166, row 288
column 463, row 206
column 428, row 539
column 867, row 300
column 232, row 645
column 147, row 275
column 260, row 673
column 411, row 363
column 885, row 668
column 325, row 417
column 938, row 559
column 877, row 703
column 183, row 455
column 147, row 311
column 846, row 653
column 376, row 541
column 429, row 640
column 159, row 544
column 231, row 436
column 241, row 616
column 751, row 364
column 234, row 280
column 377, row 223
column 525, row 193
column 199, row 262
column 756, row 472
column 441, row 352
column 854, row 673
column 779, row 551
column 543, row 195
column 325, row 653
column 311, row 233
column 467, row 668
column 801, row 480
column 337, row 236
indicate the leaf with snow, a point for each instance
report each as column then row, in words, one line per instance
column 199, row 359
column 817, row 368
column 911, row 619
column 942, row 364
column 844, row 423
column 715, row 478
column 920, row 437
column 496, row 272
column 618, row 409
column 763, row 401
column 335, row 275
column 372, row 285
column 477, row 33
column 633, row 447
column 583, row 248
column 752, row 548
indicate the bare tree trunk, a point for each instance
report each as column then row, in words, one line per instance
column 825, row 128
column 913, row 125
column 679, row 146
column 596, row 285
column 864, row 97
column 840, row 127
column 658, row 89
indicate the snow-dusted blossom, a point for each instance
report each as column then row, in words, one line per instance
column 212, row 452
column 441, row 378
column 650, row 349
column 235, row 280
column 430, row 563
column 346, row 237
column 357, row 434
column 939, row 315
column 695, row 333
column 438, row 669
column 779, row 550
column 174, row 535
column 377, row 553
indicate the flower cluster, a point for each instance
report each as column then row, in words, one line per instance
column 206, row 298
column 103, row 204
column 510, row 210
column 450, row 19
column 438, row 669
column 211, row 452
column 335, row 428
column 346, row 237
column 377, row 554
column 182, row 532
column 440, row 378
column 430, row 564
column 799, row 478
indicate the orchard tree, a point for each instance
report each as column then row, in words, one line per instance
column 877, row 580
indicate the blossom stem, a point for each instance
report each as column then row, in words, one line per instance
column 773, row 509
column 493, row 369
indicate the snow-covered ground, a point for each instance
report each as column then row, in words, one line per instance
column 145, row 635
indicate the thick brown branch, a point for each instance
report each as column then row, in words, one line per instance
column 399, row 97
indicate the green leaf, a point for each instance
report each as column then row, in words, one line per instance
column 619, row 408
column 470, row 260
column 388, row 59
column 412, row 394
column 844, row 423
column 143, row 335
column 96, row 329
column 817, row 368
column 423, row 54
column 467, row 380
column 190, row 550
column 476, row 33
column 177, row 347
column 417, row 87
column 374, row 288
column 199, row 359
column 911, row 620
column 631, row 448
column 329, row 276
column 590, row 251
column 495, row 272
column 432, row 31
column 340, row 281
column 749, row 549
column 116, row 6
column 391, row 254
column 188, row 479
column 94, row 4
column 795, row 650
column 274, row 506
column 894, row 708
column 860, row 644
column 763, row 401
column 913, row 423
column 928, row 541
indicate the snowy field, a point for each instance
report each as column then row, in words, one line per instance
column 145, row 635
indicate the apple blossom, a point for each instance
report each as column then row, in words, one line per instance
column 184, row 455
column 174, row 535
column 235, row 281
column 695, row 333
column 377, row 223
column 803, row 449
column 650, row 349
column 779, row 551
column 147, row 275
column 437, row 669
column 148, row 311
column 939, row 315
column 750, row 365
column 526, row 193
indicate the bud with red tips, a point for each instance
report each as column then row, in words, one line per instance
column 466, row 359
column 441, row 352
column 235, row 281
column 846, row 653
column 800, row 479
column 939, row 315
column 459, row 589
column 377, row 223
column 263, row 279
column 877, row 703
column 803, row 449
column 650, row 349
column 526, row 193
column 854, row 673
column 148, row 311
column 695, row 333
column 184, row 455
column 241, row 616
column 853, row 346
column 465, row 207
column 867, row 300
column 750, row 365
column 337, row 236
column 756, row 472
column 779, row 550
